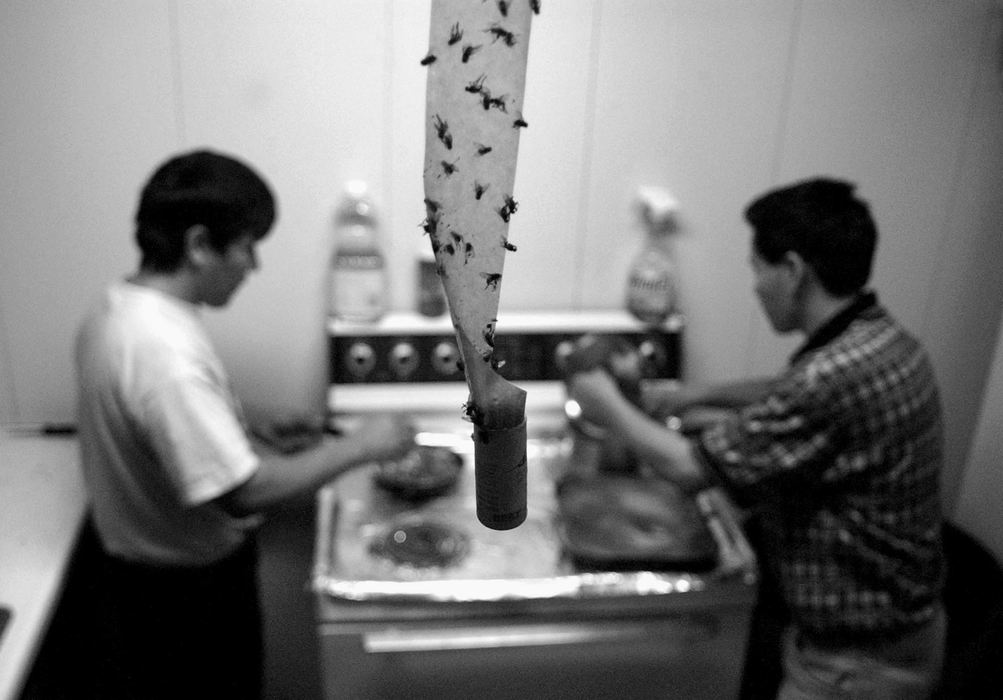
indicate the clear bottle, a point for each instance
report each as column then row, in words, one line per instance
column 358, row 277
column 651, row 283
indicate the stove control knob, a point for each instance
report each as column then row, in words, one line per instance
column 561, row 353
column 403, row 360
column 445, row 357
column 360, row 359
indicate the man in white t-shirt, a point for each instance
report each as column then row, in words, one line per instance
column 176, row 488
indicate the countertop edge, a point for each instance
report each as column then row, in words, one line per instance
column 42, row 506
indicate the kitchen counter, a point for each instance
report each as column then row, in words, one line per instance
column 42, row 503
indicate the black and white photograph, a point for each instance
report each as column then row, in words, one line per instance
column 501, row 349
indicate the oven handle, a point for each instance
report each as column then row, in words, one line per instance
column 684, row 629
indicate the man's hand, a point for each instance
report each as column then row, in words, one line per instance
column 385, row 437
column 666, row 451
column 597, row 393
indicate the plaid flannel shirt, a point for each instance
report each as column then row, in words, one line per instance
column 841, row 459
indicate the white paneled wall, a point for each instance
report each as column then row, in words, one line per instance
column 302, row 90
column 550, row 229
column 905, row 99
column 713, row 76
column 87, row 104
column 715, row 100
column 978, row 506
column 965, row 287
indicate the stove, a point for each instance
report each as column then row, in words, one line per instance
column 354, row 562
column 418, row 599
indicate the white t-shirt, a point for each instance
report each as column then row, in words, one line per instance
column 161, row 433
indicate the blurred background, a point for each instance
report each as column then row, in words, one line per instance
column 714, row 100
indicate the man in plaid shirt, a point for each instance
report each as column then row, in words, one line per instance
column 838, row 458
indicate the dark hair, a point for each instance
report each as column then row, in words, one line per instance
column 822, row 221
column 201, row 187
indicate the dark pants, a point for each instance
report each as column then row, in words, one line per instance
column 907, row 667
column 179, row 632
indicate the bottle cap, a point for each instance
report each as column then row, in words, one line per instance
column 356, row 189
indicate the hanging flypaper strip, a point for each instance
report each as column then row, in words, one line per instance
column 476, row 79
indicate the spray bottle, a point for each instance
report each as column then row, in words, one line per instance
column 651, row 284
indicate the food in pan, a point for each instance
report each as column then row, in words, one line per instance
column 420, row 543
column 422, row 473
column 617, row 522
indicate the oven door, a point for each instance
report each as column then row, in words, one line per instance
column 689, row 653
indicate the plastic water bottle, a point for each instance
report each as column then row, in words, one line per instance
column 358, row 284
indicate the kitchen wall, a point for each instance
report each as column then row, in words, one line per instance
column 978, row 507
column 715, row 100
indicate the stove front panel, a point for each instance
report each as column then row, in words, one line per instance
column 413, row 359
column 404, row 348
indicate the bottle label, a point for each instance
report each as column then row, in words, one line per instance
column 358, row 262
column 650, row 290
column 357, row 287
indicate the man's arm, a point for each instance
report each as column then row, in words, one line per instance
column 665, row 450
column 281, row 478
column 676, row 400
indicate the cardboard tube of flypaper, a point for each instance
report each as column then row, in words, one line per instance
column 500, row 476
